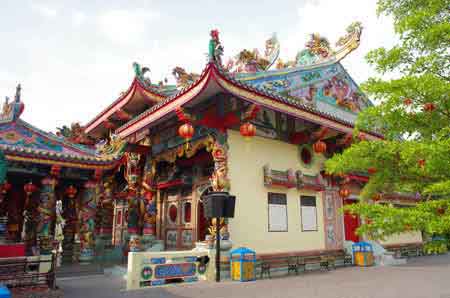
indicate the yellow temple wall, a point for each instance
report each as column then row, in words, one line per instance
column 249, row 227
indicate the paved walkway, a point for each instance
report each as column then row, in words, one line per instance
column 426, row 277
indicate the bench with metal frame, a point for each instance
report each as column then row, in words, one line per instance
column 23, row 272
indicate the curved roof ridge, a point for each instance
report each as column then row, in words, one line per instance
column 166, row 100
column 81, row 149
column 136, row 82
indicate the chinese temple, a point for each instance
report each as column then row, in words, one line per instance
column 134, row 177
column 256, row 126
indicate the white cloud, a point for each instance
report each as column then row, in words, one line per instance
column 125, row 26
column 45, row 11
column 78, row 18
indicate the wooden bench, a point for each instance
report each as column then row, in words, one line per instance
column 296, row 263
column 406, row 250
column 21, row 272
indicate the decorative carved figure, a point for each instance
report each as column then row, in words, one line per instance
column 87, row 219
column 46, row 211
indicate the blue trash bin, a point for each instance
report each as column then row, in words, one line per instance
column 363, row 254
column 4, row 292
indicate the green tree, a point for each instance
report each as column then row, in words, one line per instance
column 413, row 115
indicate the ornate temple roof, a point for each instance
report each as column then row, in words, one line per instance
column 140, row 95
column 21, row 141
column 314, row 86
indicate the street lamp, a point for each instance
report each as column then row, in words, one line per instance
column 219, row 204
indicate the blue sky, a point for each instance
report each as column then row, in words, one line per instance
column 74, row 58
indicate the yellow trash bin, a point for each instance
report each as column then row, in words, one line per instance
column 243, row 264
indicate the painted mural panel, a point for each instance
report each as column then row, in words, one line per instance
column 332, row 220
column 328, row 84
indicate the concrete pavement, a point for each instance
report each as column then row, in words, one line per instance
column 425, row 277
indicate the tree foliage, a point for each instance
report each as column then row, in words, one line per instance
column 413, row 115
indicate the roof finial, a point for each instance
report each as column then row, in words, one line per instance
column 18, row 90
column 215, row 48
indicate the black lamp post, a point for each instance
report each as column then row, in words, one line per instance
column 219, row 205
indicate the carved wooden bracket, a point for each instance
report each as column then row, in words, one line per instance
column 291, row 179
column 279, row 178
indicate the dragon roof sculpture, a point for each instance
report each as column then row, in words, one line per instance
column 317, row 50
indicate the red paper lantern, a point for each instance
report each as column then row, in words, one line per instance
column 320, row 147
column 55, row 170
column 247, row 130
column 421, row 163
column 186, row 131
column 108, row 124
column 71, row 191
column 372, row 170
column 441, row 211
column 29, row 188
column 6, row 187
column 122, row 115
column 429, row 107
column 376, row 197
column 98, row 174
column 407, row 101
column 344, row 192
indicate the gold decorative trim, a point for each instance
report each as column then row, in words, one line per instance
column 62, row 163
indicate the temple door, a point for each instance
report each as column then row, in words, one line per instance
column 120, row 223
column 178, row 220
column 202, row 223
column 351, row 223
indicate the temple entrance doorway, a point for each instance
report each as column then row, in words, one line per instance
column 178, row 219
column 202, row 222
column 351, row 223
column 181, row 185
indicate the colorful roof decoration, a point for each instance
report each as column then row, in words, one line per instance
column 314, row 87
column 21, row 141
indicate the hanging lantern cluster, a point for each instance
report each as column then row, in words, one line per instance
column 6, row 186
column 344, row 192
column 247, row 130
column 71, row 191
column 320, row 147
column 29, row 188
